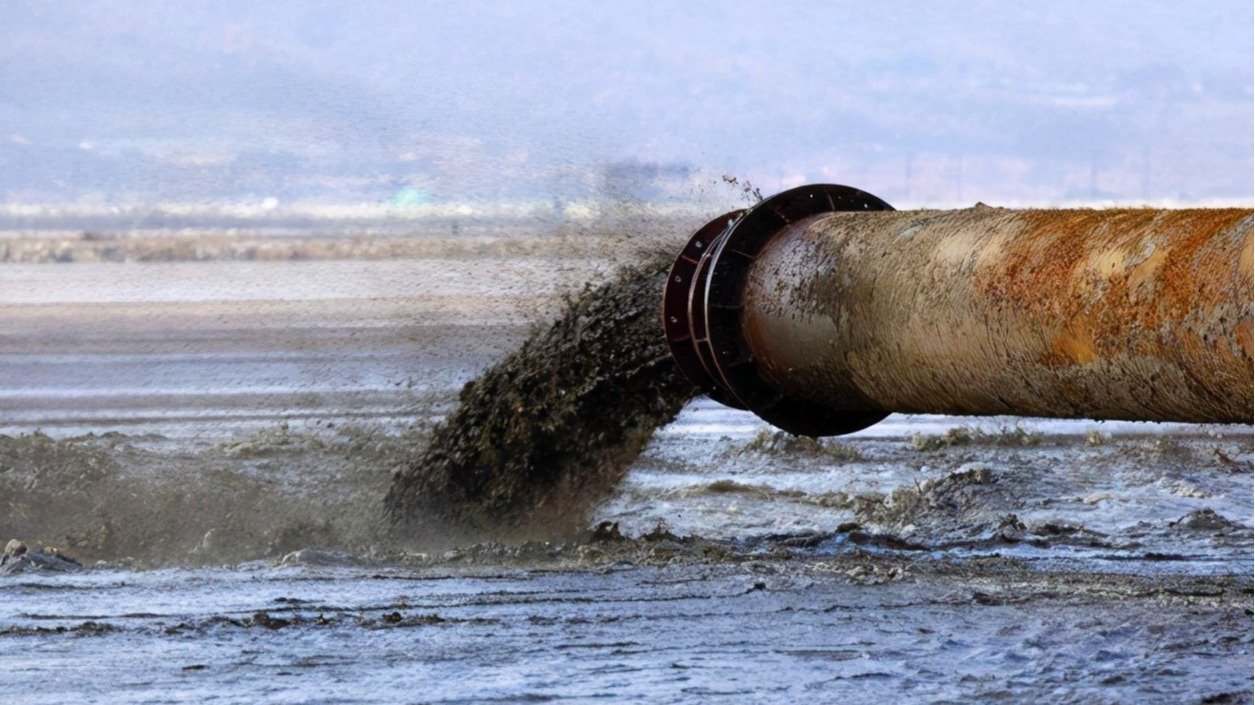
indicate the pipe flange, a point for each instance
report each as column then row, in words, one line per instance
column 724, row 278
column 682, row 323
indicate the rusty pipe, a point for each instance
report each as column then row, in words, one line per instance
column 823, row 310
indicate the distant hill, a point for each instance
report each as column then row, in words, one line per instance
column 126, row 102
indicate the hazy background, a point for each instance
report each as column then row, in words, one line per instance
column 426, row 103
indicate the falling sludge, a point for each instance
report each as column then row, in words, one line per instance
column 543, row 435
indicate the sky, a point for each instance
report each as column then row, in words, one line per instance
column 920, row 103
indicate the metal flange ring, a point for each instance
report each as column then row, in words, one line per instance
column 729, row 264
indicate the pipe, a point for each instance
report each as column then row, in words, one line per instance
column 822, row 310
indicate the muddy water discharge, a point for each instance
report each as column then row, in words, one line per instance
column 544, row 434
column 928, row 559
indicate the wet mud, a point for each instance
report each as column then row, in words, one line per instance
column 1075, row 568
column 539, row 438
column 304, row 498
column 855, row 628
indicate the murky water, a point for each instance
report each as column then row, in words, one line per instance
column 762, row 632
column 1009, row 560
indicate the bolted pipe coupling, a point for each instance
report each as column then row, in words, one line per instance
column 822, row 310
column 703, row 304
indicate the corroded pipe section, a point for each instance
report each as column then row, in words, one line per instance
column 835, row 318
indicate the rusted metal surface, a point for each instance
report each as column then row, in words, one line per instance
column 1136, row 314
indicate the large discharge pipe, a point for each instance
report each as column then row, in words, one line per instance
column 823, row 310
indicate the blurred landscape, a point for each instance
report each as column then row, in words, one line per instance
column 433, row 105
